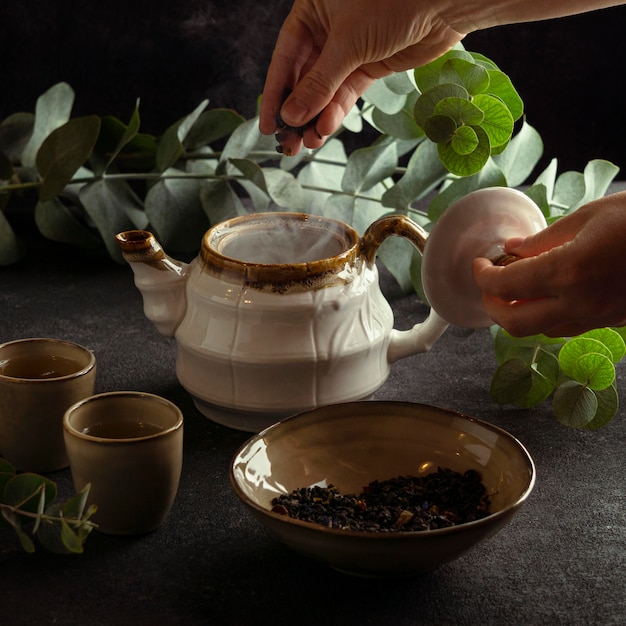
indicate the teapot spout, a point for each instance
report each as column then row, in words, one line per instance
column 160, row 279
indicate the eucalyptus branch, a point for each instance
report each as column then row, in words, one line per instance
column 444, row 130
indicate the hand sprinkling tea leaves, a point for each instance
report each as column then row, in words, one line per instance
column 288, row 137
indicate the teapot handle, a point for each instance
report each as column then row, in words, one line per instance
column 422, row 336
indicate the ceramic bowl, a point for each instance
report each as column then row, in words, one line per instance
column 349, row 445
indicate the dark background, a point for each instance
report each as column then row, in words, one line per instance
column 172, row 55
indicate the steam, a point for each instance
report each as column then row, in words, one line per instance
column 285, row 241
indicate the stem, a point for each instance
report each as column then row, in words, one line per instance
column 47, row 518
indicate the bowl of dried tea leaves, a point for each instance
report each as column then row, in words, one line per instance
column 383, row 489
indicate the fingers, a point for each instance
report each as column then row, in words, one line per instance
column 293, row 51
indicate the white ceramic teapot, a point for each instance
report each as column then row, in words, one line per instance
column 282, row 312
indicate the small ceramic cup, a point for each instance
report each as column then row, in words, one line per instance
column 39, row 379
column 128, row 446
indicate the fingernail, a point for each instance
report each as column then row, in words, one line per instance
column 295, row 112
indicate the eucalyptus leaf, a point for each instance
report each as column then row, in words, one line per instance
column 428, row 76
column 574, row 405
column 171, row 145
column 440, row 128
column 472, row 76
column 424, row 172
column 464, row 140
column 219, row 201
column 176, row 213
column 461, row 110
column 608, row 405
column 521, row 155
column 383, row 98
column 569, row 191
column 211, row 126
column 498, row 121
column 246, row 138
column 252, row 171
column 598, row 175
column 64, row 224
column 53, row 109
column 594, row 370
column 24, row 491
column 426, row 103
column 284, row 189
column 63, row 152
column 611, row 339
column 15, row 132
column 577, row 347
column 111, row 205
column 12, row 249
column 400, row 125
column 511, row 382
column 501, row 87
column 130, row 132
column 368, row 166
column 466, row 164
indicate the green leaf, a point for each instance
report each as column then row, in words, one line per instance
column 569, row 190
column 369, row 166
column 130, row 132
column 65, row 224
column 440, row 128
column 424, row 171
column 247, row 138
column 464, row 140
column 284, row 189
column 113, row 208
column 57, row 536
column 428, row 76
column 498, row 122
column 171, row 144
column 175, row 212
column 6, row 467
column 505, row 343
column 211, row 126
column 608, row 405
column 11, row 247
column 511, row 382
column 574, row 405
column 400, row 125
column 219, row 201
column 252, row 171
column 594, row 370
column 462, row 111
column 577, row 347
column 63, row 152
column 598, row 175
column 53, row 110
column 24, row 491
column 520, row 157
column 426, row 103
column 472, row 76
column 15, row 132
column 383, row 98
column 466, row 164
column 611, row 339
column 118, row 145
column 500, row 86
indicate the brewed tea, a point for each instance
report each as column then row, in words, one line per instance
column 37, row 366
column 122, row 429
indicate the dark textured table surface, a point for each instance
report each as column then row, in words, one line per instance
column 562, row 560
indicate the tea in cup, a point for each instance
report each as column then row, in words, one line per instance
column 129, row 447
column 39, row 379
